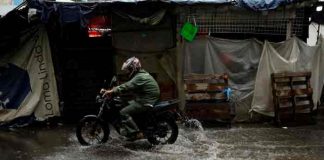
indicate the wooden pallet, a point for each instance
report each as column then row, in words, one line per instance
column 292, row 93
column 205, row 99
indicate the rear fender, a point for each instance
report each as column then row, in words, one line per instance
column 166, row 115
column 154, row 118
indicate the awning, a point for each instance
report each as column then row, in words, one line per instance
column 70, row 11
column 7, row 6
column 136, row 1
column 261, row 5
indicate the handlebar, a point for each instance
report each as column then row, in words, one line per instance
column 100, row 98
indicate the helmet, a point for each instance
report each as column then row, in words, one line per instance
column 131, row 65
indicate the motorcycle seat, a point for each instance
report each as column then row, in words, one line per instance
column 164, row 104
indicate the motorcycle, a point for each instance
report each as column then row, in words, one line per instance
column 158, row 125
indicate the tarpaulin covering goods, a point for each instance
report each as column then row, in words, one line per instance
column 250, row 63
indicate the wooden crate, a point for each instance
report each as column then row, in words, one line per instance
column 208, row 111
column 292, row 94
column 205, row 97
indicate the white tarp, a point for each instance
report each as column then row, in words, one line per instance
column 238, row 58
column 294, row 56
column 249, row 74
column 27, row 81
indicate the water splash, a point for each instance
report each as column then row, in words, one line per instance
column 191, row 144
column 193, row 124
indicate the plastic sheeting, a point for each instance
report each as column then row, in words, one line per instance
column 131, row 35
column 249, row 72
column 238, row 58
column 73, row 12
column 68, row 12
column 261, row 5
column 27, row 80
column 168, row 1
column 293, row 56
column 198, row 1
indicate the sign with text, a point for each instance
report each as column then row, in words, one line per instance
column 27, row 80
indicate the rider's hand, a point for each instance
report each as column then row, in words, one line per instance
column 102, row 91
column 107, row 93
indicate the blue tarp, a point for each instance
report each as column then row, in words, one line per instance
column 73, row 12
column 198, row 1
column 68, row 12
column 261, row 5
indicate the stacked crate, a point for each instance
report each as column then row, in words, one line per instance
column 205, row 97
column 292, row 93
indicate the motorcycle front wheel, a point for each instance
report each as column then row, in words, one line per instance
column 91, row 131
column 166, row 132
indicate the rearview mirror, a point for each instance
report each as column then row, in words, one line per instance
column 113, row 81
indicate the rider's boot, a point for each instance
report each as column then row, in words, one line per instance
column 135, row 136
column 123, row 130
column 133, row 130
column 128, row 126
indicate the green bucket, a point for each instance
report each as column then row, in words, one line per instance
column 189, row 31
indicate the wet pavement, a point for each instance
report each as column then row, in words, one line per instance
column 240, row 141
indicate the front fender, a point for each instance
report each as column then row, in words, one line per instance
column 94, row 117
column 90, row 116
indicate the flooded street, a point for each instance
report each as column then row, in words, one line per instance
column 240, row 141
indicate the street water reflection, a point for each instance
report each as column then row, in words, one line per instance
column 241, row 141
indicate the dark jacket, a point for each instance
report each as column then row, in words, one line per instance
column 143, row 85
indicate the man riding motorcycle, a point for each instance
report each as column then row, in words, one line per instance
column 146, row 91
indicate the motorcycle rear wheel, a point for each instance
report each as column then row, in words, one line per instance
column 91, row 131
column 166, row 132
